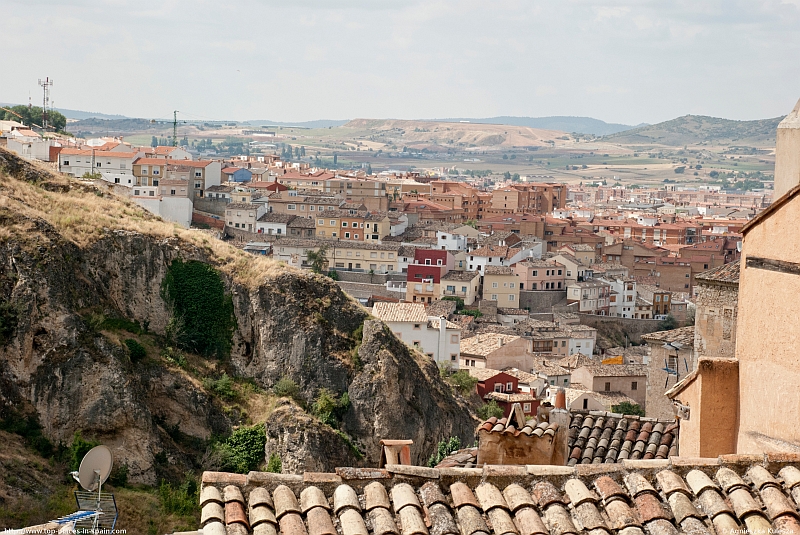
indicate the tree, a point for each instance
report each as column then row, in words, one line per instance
column 318, row 259
column 680, row 169
column 33, row 117
column 443, row 449
column 487, row 410
column 154, row 142
column 668, row 323
column 335, row 158
column 626, row 407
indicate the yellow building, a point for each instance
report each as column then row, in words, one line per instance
column 501, row 284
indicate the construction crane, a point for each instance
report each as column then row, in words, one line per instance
column 175, row 128
column 12, row 112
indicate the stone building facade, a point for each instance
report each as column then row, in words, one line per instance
column 716, row 311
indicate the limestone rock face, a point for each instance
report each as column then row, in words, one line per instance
column 292, row 324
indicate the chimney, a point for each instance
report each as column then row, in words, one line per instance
column 561, row 399
column 395, row 452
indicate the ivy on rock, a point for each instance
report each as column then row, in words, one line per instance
column 202, row 313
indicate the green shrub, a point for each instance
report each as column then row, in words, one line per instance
column 626, row 407
column 470, row 312
column 243, row 451
column 30, row 429
column 443, row 449
column 287, row 388
column 274, row 464
column 119, row 475
column 487, row 410
column 78, row 449
column 330, row 408
column 333, row 274
column 136, row 351
column 458, row 300
column 463, row 382
column 202, row 313
column 9, row 317
column 222, row 387
column 181, row 500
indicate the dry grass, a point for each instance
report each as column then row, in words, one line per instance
column 82, row 213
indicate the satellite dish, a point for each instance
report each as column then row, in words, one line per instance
column 95, row 468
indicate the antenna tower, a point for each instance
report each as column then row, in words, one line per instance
column 175, row 128
column 46, row 84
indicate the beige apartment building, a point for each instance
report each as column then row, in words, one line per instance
column 629, row 379
column 371, row 193
column 501, row 284
column 462, row 284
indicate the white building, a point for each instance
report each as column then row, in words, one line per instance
column 450, row 241
column 113, row 166
column 501, row 255
column 622, row 301
column 436, row 337
column 273, row 223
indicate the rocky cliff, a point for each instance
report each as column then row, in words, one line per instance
column 70, row 251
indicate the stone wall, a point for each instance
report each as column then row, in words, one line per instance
column 634, row 328
column 366, row 278
column 212, row 206
column 541, row 300
column 715, row 320
column 204, row 219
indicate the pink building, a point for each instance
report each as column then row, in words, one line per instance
column 540, row 275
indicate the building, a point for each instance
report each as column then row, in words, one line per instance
column 237, row 174
column 462, row 284
column 589, row 297
column 244, row 216
column 540, row 275
column 660, row 300
column 366, row 257
column 114, row 167
column 272, row 223
column 501, row 255
column 672, row 357
column 622, row 299
column 501, row 284
column 435, row 337
column 496, row 351
column 628, row 379
column 716, row 311
column 504, row 389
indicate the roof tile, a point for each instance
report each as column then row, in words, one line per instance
column 345, row 496
column 441, row 518
column 462, row 495
column 517, row 497
column 319, row 522
column 353, row 524
column 285, row 501
column 471, row 521
column 291, row 524
column 403, row 495
column 529, row 522
column 312, row 497
column 260, row 496
column 212, row 511
column 375, row 495
column 501, row 521
column 490, row 497
column 411, row 519
column 682, row 506
column 558, row 520
column 234, row 514
column 651, row 508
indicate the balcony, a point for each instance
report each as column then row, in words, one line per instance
column 423, row 289
column 455, row 293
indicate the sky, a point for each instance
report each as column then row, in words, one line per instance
column 626, row 61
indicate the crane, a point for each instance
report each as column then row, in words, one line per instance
column 13, row 113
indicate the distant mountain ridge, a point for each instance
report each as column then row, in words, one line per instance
column 582, row 125
column 693, row 129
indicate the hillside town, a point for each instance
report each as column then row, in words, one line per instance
column 516, row 356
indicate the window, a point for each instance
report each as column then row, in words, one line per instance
column 608, row 387
column 427, row 261
column 498, row 387
column 416, row 326
column 172, row 192
column 509, row 387
column 453, row 356
column 526, row 407
column 559, row 272
column 511, row 297
column 66, row 162
column 494, row 285
column 156, row 171
column 464, row 289
column 136, row 192
column 453, row 338
column 494, row 297
column 198, row 174
column 311, row 208
column 344, row 223
column 355, row 236
column 634, row 385
column 291, row 207
column 585, row 403
column 346, row 234
column 197, row 184
column 416, row 343
column 320, row 222
column 333, row 223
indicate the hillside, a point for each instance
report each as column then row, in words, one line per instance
column 160, row 342
column 699, row 129
column 582, row 125
column 421, row 134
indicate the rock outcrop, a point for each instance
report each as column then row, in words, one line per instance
column 288, row 324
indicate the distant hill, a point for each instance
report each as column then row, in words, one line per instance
column 322, row 123
column 75, row 114
column 582, row 125
column 694, row 129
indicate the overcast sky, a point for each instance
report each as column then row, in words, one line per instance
column 293, row 60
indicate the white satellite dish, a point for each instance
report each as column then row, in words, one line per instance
column 95, row 468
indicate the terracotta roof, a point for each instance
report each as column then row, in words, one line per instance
column 435, row 324
column 301, row 222
column 731, row 494
column 519, row 397
column 463, row 276
column 576, row 361
column 406, row 312
column 602, row 437
column 616, row 370
column 241, row 206
column 726, row 273
column 442, row 307
column 499, row 270
column 272, row 217
column 684, row 335
column 484, row 344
